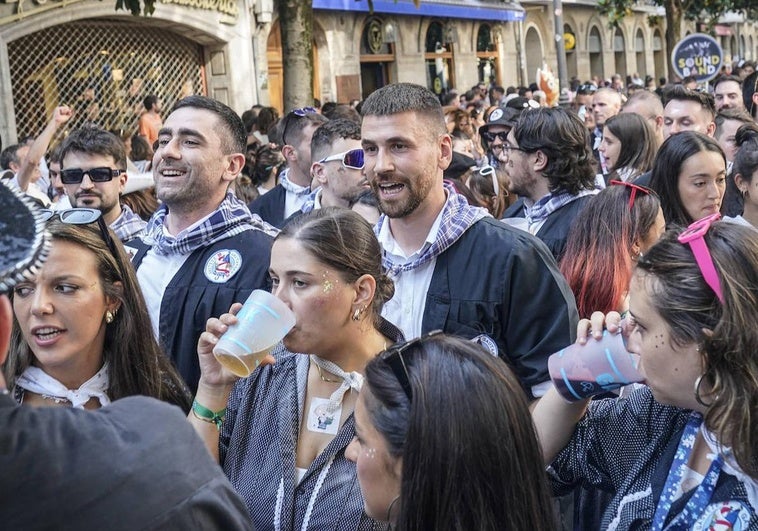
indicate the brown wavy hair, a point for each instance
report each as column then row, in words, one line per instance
column 138, row 365
column 729, row 343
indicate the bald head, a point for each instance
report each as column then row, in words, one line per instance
column 605, row 103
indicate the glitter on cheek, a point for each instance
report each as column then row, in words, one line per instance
column 370, row 453
column 328, row 284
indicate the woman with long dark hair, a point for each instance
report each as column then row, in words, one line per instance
column 445, row 441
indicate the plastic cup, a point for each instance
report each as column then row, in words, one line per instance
column 261, row 323
column 582, row 371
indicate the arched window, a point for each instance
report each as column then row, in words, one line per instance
column 639, row 50
column 658, row 55
column 595, row 47
column 569, row 41
column 377, row 55
column 619, row 53
column 439, row 58
column 487, row 55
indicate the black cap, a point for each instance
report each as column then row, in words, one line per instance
column 23, row 245
column 459, row 165
column 506, row 117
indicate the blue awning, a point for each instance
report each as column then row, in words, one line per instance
column 494, row 11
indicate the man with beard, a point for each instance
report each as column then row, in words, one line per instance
column 456, row 268
column 93, row 173
column 202, row 249
column 337, row 165
column 550, row 168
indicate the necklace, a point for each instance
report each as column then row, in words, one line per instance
column 55, row 399
column 324, row 378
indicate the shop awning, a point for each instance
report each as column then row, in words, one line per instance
column 495, row 11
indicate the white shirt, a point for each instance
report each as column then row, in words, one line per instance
column 154, row 274
column 406, row 308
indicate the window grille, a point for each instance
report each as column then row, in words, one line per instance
column 101, row 68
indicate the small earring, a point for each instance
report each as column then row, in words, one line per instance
column 356, row 314
column 109, row 317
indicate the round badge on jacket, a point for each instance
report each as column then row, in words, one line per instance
column 223, row 265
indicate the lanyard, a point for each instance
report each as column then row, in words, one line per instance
column 702, row 495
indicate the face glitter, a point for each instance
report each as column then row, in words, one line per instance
column 328, row 286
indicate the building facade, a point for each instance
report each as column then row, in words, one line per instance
column 103, row 62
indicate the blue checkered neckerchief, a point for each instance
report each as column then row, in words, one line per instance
column 291, row 187
column 310, row 202
column 457, row 217
column 548, row 204
column 232, row 217
column 128, row 225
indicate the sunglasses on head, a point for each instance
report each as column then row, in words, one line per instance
column 352, row 159
column 634, row 188
column 586, row 89
column 490, row 137
column 96, row 175
column 393, row 357
column 293, row 115
column 82, row 216
column 489, row 171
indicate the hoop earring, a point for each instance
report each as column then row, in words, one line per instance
column 389, row 509
column 699, row 400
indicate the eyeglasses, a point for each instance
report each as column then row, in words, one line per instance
column 393, row 357
column 490, row 137
column 82, row 216
column 585, row 89
column 352, row 159
column 694, row 235
column 488, row 170
column 96, row 175
column 292, row 115
column 635, row 188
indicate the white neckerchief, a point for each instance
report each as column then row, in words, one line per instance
column 36, row 380
column 350, row 380
column 730, row 465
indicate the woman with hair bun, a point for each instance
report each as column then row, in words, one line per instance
column 286, row 461
column 745, row 171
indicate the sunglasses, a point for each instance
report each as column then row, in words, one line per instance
column 635, row 188
column 82, row 216
column 393, row 357
column 352, row 159
column 96, row 175
column 293, row 115
column 586, row 89
column 489, row 171
column 694, row 236
column 490, row 137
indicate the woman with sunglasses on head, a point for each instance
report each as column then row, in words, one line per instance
column 682, row 451
column 489, row 185
column 79, row 325
column 629, row 146
column 689, row 176
column 607, row 238
column 287, row 462
column 444, row 441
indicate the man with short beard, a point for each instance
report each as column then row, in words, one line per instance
column 202, row 249
column 93, row 173
column 454, row 267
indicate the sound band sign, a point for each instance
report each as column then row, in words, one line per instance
column 697, row 55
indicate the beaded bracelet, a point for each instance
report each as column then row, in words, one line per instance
column 206, row 415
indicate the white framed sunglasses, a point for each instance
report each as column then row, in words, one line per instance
column 352, row 159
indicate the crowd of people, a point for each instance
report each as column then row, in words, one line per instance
column 434, row 252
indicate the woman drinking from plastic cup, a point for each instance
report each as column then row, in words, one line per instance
column 682, row 452
column 281, row 433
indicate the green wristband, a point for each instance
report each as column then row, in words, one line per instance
column 206, row 415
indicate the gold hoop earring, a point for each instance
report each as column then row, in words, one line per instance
column 109, row 316
column 699, row 400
